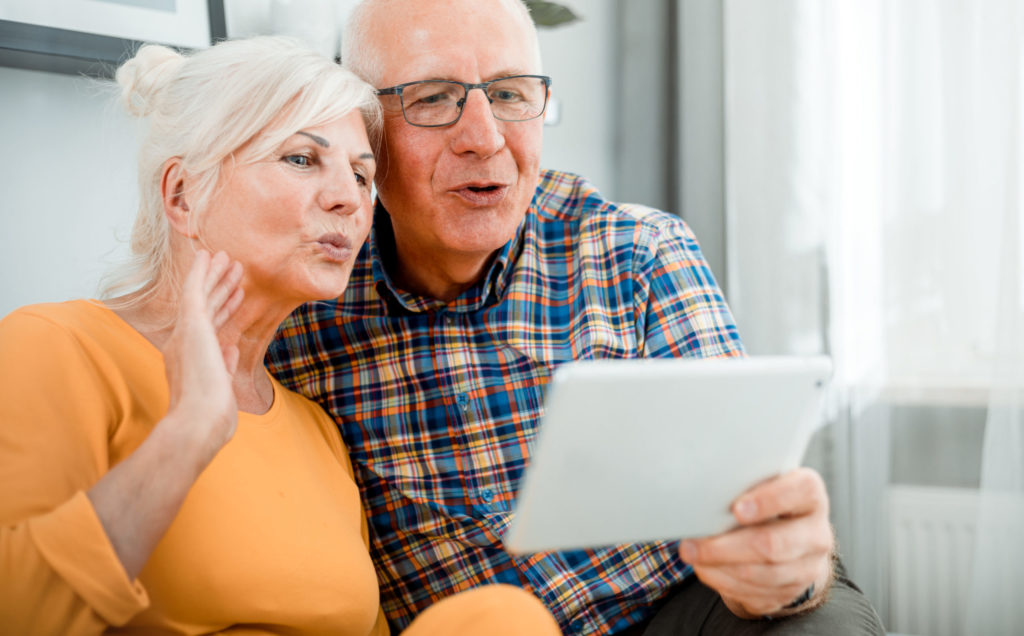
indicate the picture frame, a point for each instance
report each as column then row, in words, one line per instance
column 92, row 38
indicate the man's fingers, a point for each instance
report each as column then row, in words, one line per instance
column 774, row 542
column 767, row 589
column 793, row 576
column 756, row 599
column 782, row 547
column 798, row 492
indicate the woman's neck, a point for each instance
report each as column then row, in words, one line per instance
column 252, row 325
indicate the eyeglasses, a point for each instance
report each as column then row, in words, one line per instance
column 432, row 103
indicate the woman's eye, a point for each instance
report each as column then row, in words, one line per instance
column 361, row 179
column 299, row 160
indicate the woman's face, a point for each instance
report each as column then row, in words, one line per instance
column 297, row 219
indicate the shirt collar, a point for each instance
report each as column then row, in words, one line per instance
column 486, row 293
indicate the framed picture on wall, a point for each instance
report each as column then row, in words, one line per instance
column 92, row 37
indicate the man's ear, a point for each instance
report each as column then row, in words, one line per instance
column 172, row 191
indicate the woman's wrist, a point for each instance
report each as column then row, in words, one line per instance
column 189, row 440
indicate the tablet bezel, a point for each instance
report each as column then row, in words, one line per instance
column 621, row 440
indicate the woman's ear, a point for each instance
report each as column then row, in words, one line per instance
column 172, row 191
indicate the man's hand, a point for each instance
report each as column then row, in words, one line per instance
column 784, row 545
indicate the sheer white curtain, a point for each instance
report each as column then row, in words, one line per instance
column 874, row 186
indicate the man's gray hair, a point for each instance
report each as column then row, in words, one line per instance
column 358, row 56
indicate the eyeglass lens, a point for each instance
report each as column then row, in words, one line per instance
column 438, row 102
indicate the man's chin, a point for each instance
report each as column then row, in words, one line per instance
column 478, row 234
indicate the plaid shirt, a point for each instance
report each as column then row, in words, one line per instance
column 439, row 402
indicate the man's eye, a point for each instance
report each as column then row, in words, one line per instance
column 506, row 95
column 433, row 99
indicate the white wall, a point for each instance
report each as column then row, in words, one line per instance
column 67, row 161
column 580, row 60
column 68, row 172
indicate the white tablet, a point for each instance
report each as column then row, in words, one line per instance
column 642, row 450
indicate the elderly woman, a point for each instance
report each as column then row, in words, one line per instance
column 153, row 476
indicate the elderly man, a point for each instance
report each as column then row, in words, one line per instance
column 482, row 274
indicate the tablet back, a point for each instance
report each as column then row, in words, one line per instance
column 641, row 450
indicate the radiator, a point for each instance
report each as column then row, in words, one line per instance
column 931, row 553
column 931, row 546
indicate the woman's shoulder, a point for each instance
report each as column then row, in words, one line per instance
column 86, row 322
column 74, row 333
column 47, row 322
column 56, row 309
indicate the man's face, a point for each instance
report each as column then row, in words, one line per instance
column 456, row 193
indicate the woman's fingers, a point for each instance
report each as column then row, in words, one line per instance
column 202, row 353
column 233, row 302
column 219, row 264
column 223, row 290
column 230, row 354
column 195, row 278
column 213, row 285
column 213, row 290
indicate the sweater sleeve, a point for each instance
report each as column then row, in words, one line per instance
column 59, row 573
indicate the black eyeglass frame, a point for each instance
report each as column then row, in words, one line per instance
column 466, row 86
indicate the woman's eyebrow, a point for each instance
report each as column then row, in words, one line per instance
column 317, row 138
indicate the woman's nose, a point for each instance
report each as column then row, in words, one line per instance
column 341, row 193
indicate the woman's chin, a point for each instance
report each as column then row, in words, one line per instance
column 330, row 288
column 312, row 284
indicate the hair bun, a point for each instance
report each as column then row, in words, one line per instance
column 145, row 75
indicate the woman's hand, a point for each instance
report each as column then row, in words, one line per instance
column 139, row 497
column 200, row 356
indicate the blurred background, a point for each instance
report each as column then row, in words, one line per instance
column 853, row 170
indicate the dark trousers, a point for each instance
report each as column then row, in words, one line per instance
column 693, row 608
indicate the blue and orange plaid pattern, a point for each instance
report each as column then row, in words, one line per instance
column 438, row 403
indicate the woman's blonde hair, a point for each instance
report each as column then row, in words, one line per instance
column 204, row 107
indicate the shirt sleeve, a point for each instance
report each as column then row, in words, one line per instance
column 684, row 313
column 59, row 573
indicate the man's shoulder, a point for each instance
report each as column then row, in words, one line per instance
column 567, row 197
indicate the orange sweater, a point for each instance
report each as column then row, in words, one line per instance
column 271, row 536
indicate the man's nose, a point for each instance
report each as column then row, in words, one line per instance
column 477, row 130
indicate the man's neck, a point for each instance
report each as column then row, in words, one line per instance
column 440, row 276
column 441, row 280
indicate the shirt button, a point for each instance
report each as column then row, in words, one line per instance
column 463, row 401
column 487, row 495
column 576, row 626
